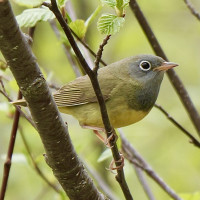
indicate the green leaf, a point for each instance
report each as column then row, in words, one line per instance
column 126, row 3
column 111, row 3
column 61, row 2
column 110, row 24
column 105, row 155
column 68, row 18
column 119, row 3
column 29, row 17
column 79, row 28
column 28, row 3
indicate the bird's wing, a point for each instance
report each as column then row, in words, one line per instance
column 80, row 91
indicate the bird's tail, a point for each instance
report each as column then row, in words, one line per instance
column 20, row 102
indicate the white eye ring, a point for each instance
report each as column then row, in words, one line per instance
column 145, row 65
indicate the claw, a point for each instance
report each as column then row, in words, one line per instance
column 119, row 167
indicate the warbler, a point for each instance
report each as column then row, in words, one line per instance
column 130, row 88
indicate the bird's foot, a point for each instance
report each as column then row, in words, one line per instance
column 118, row 167
column 107, row 141
column 111, row 139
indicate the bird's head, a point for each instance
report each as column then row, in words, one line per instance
column 145, row 68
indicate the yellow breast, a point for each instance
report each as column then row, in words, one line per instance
column 89, row 114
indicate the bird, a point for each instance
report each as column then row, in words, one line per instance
column 129, row 87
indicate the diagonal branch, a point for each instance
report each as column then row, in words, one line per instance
column 8, row 162
column 93, row 77
column 171, row 119
column 175, row 80
column 192, row 9
column 135, row 158
column 60, row 152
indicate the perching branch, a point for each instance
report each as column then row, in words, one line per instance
column 175, row 80
column 8, row 162
column 135, row 158
column 192, row 9
column 60, row 153
column 93, row 77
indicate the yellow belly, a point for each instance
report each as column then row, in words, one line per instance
column 89, row 114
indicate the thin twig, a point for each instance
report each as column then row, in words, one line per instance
column 99, row 53
column 18, row 108
column 192, row 9
column 109, row 130
column 26, row 144
column 80, row 40
column 175, row 80
column 144, row 183
column 8, row 162
column 62, row 159
column 2, row 85
column 187, row 133
column 134, row 157
column 36, row 167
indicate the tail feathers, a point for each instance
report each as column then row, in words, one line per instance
column 21, row 102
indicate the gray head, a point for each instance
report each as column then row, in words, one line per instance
column 147, row 71
column 145, row 68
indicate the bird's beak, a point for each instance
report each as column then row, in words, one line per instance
column 165, row 66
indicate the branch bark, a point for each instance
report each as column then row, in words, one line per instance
column 120, row 177
column 60, row 153
column 173, row 77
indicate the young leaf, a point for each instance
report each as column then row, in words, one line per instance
column 79, row 28
column 111, row 3
column 110, row 24
column 28, row 3
column 119, row 3
column 126, row 3
column 68, row 18
column 29, row 17
column 61, row 2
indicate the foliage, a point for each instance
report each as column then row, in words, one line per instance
column 28, row 3
column 160, row 142
column 110, row 24
column 29, row 17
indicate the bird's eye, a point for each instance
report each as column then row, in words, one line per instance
column 145, row 66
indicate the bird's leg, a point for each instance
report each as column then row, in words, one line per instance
column 112, row 138
column 106, row 141
column 96, row 132
column 121, row 161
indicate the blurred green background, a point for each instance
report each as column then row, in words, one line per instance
column 160, row 142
